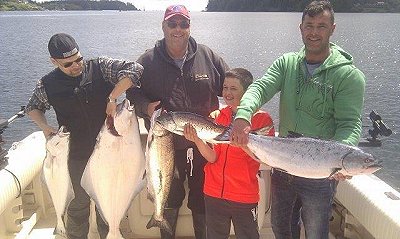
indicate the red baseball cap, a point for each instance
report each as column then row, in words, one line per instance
column 174, row 10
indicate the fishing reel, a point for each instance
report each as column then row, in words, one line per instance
column 3, row 125
column 379, row 128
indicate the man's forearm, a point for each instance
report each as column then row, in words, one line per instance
column 39, row 118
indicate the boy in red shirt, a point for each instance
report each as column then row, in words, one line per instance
column 231, row 185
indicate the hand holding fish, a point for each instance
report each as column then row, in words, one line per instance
column 49, row 131
column 152, row 107
column 240, row 132
column 340, row 177
column 111, row 108
column 190, row 133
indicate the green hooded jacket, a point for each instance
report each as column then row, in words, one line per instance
column 325, row 105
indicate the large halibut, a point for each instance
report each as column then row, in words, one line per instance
column 114, row 174
column 56, row 175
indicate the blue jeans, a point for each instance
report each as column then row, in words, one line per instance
column 296, row 219
column 316, row 196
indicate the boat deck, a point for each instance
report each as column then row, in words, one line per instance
column 45, row 227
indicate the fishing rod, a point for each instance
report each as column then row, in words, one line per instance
column 3, row 125
column 378, row 128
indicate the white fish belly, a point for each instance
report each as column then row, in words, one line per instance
column 114, row 175
column 57, row 179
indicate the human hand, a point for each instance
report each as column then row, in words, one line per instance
column 340, row 177
column 152, row 107
column 240, row 132
column 48, row 131
column 190, row 133
column 214, row 114
column 111, row 109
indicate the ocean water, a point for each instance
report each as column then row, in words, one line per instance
column 250, row 40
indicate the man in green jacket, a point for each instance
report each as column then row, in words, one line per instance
column 321, row 96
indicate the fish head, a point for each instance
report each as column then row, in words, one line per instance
column 206, row 129
column 358, row 162
column 154, row 116
column 125, row 117
column 58, row 144
column 167, row 121
column 159, row 131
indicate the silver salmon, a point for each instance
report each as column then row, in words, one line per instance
column 303, row 157
column 205, row 128
column 159, row 170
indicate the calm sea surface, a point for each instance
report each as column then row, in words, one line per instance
column 250, row 40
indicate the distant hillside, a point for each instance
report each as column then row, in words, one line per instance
column 298, row 5
column 87, row 5
column 17, row 5
column 70, row 5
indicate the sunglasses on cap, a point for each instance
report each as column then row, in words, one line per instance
column 182, row 24
column 69, row 64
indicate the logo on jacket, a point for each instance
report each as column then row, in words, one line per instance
column 201, row 77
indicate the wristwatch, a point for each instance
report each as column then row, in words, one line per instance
column 111, row 100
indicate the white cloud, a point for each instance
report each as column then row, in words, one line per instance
column 191, row 5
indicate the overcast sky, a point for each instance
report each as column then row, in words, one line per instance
column 191, row 5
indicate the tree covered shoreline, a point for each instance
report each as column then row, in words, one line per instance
column 66, row 5
column 298, row 5
column 213, row 5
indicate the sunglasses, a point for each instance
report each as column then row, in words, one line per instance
column 69, row 64
column 182, row 24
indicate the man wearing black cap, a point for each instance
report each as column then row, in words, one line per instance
column 181, row 75
column 81, row 93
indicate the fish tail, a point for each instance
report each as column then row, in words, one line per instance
column 161, row 224
column 60, row 230
column 114, row 235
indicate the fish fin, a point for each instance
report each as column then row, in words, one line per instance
column 161, row 224
column 150, row 196
column 60, row 230
column 251, row 154
column 292, row 134
column 282, row 170
column 87, row 185
column 335, row 170
column 110, row 126
column 224, row 136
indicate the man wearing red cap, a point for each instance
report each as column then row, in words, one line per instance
column 181, row 75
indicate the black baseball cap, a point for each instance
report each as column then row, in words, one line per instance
column 62, row 45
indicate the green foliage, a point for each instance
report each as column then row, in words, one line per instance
column 87, row 5
column 13, row 5
column 298, row 5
